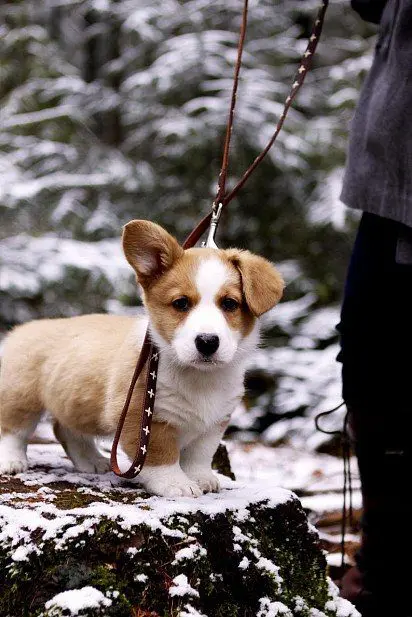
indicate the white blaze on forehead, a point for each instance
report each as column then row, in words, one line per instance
column 211, row 275
column 206, row 317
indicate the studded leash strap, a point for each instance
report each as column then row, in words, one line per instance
column 149, row 351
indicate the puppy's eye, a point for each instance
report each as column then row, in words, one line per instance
column 181, row 304
column 229, row 304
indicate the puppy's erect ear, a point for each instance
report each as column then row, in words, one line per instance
column 262, row 284
column 149, row 249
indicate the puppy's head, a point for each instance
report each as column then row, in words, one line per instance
column 203, row 303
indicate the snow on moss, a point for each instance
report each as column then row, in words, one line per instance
column 75, row 601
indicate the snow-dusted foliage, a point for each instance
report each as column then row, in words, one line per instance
column 116, row 110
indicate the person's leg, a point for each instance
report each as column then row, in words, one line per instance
column 376, row 342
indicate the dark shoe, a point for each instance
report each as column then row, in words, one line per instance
column 379, row 585
column 352, row 588
column 370, row 604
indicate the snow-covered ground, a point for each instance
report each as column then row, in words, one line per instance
column 316, row 478
column 263, row 474
column 53, row 466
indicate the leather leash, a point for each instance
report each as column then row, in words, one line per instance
column 149, row 350
column 347, row 491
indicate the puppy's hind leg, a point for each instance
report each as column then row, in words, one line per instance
column 20, row 408
column 81, row 449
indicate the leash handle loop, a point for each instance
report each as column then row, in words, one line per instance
column 347, row 504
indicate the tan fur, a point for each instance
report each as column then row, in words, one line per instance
column 179, row 281
column 149, row 249
column 80, row 368
column 164, row 448
column 262, row 284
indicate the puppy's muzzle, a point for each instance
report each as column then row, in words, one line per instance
column 207, row 344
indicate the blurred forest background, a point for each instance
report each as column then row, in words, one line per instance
column 116, row 109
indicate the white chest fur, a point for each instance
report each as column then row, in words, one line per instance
column 192, row 400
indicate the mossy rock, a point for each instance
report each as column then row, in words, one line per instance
column 79, row 544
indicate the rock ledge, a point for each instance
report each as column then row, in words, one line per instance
column 79, row 544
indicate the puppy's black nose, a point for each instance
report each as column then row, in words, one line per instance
column 207, row 344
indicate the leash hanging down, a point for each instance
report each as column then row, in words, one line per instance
column 149, row 350
column 347, row 492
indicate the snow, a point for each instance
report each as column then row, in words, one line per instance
column 21, row 553
column 189, row 552
column 76, row 600
column 286, row 313
column 63, row 525
column 266, row 564
column 277, row 609
column 335, row 559
column 58, row 180
column 317, row 478
column 342, row 606
column 259, row 469
column 60, row 176
column 38, row 116
column 307, row 374
column 65, row 186
column 34, row 262
column 273, row 609
column 189, row 611
column 299, row 470
column 326, row 206
column 244, row 563
column 181, row 587
column 330, row 502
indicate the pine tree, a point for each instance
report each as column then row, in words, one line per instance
column 117, row 109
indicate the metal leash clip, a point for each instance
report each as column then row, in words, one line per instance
column 210, row 242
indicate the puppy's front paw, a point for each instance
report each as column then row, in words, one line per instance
column 93, row 465
column 168, row 481
column 13, row 465
column 205, row 479
column 180, row 489
column 13, row 457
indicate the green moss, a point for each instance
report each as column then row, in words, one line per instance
column 68, row 499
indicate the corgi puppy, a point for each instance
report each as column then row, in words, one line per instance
column 202, row 307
